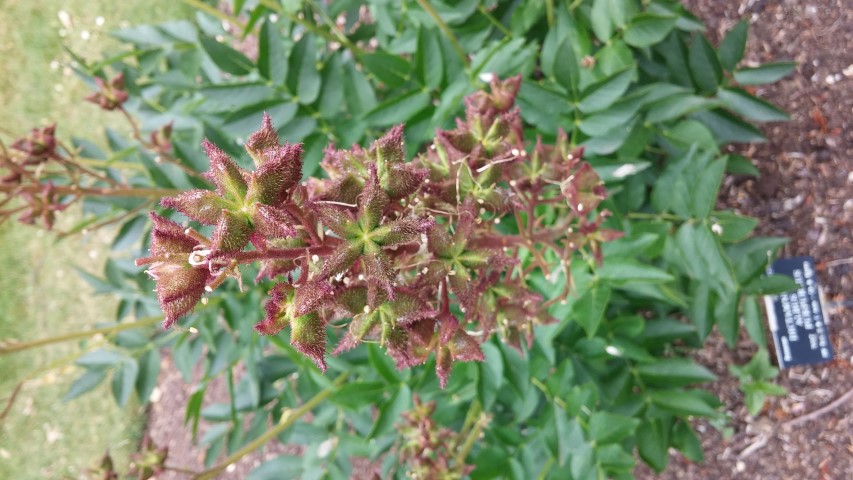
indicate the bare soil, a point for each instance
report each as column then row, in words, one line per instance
column 805, row 192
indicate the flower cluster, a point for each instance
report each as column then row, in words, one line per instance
column 421, row 256
column 430, row 451
column 110, row 95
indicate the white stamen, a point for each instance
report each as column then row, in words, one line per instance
column 199, row 257
column 486, row 77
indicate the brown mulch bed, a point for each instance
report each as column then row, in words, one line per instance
column 805, row 193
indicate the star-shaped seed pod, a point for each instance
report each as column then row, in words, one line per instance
column 297, row 307
column 389, row 323
column 364, row 236
column 454, row 345
column 178, row 268
column 246, row 205
column 349, row 169
column 583, row 189
column 456, row 259
column 109, row 96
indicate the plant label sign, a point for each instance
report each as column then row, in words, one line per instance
column 796, row 318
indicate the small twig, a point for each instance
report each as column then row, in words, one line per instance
column 11, row 400
column 764, row 438
column 756, row 446
column 821, row 411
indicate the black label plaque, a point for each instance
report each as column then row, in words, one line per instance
column 796, row 318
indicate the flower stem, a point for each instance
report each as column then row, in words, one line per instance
column 288, row 418
column 94, row 191
column 472, row 437
column 460, row 52
column 8, row 347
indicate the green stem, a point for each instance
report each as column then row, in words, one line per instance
column 199, row 5
column 656, row 216
column 288, row 418
column 549, row 12
column 445, row 29
column 494, row 21
column 7, row 347
column 472, row 437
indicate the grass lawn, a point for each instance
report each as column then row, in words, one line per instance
column 40, row 294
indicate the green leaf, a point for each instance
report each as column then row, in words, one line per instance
column 567, row 67
column 599, row 17
column 99, row 358
column 674, row 372
column 741, row 102
column 726, row 317
column 682, row 402
column 735, row 228
column 272, row 60
column 390, row 413
column 619, row 113
column 382, row 364
column 740, row 165
column 732, row 47
column 282, row 467
column 707, row 188
column 676, row 106
column 728, row 128
column 398, row 109
column 602, row 94
column 588, row 310
column 653, row 444
column 359, row 394
column 752, row 321
column 149, row 371
column 490, row 375
column 303, row 78
column 392, row 70
column 701, row 308
column 193, row 409
column 647, row 29
column 124, row 378
column 754, row 401
column 130, row 233
column 686, row 441
column 360, row 97
column 767, row 73
column 85, row 383
column 622, row 269
column 332, row 98
column 704, row 64
column 606, row 427
column 771, row 285
column 751, row 256
column 429, row 63
column 226, row 58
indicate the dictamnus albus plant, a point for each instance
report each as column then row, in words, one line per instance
column 429, row 256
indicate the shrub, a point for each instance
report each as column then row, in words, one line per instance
column 601, row 274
